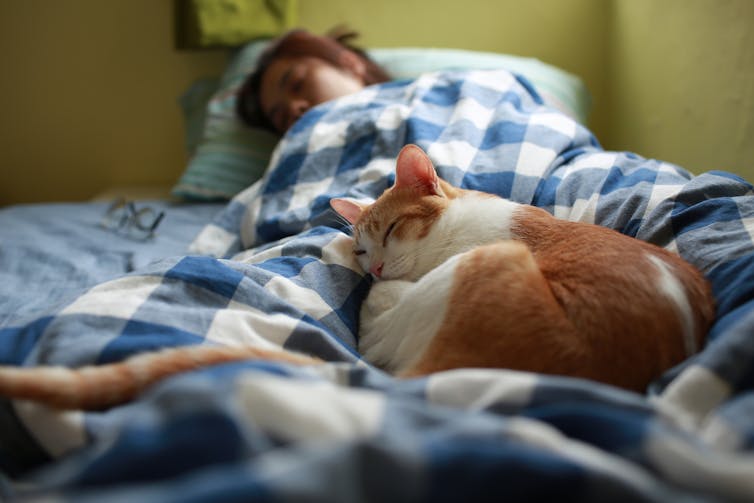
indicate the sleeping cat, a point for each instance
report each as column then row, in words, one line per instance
column 468, row 279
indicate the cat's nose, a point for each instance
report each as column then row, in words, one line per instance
column 376, row 269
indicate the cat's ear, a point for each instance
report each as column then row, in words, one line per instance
column 414, row 169
column 349, row 209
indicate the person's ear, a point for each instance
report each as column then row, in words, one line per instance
column 353, row 63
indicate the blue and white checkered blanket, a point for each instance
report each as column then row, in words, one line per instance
column 275, row 268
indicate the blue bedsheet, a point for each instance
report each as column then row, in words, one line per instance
column 49, row 252
column 275, row 268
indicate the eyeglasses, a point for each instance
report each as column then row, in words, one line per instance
column 123, row 217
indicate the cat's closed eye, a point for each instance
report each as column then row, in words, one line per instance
column 387, row 234
column 359, row 252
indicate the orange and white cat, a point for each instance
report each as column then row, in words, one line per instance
column 468, row 279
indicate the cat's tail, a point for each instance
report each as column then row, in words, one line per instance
column 97, row 387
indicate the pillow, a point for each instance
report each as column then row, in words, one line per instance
column 231, row 156
column 557, row 87
column 194, row 106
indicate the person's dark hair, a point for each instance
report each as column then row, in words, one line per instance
column 300, row 43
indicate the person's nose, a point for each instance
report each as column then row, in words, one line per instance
column 297, row 108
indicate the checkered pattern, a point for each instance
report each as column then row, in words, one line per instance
column 281, row 273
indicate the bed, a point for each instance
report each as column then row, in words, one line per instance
column 273, row 266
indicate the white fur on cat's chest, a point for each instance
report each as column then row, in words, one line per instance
column 399, row 318
column 479, row 218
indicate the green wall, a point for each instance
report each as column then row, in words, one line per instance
column 88, row 96
column 89, row 88
column 670, row 79
column 681, row 82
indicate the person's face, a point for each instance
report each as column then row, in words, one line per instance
column 291, row 86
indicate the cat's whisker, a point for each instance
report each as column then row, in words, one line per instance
column 342, row 223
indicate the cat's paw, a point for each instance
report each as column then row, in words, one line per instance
column 383, row 296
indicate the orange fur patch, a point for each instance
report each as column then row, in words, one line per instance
column 414, row 216
column 567, row 298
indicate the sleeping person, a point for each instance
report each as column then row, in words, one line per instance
column 300, row 70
